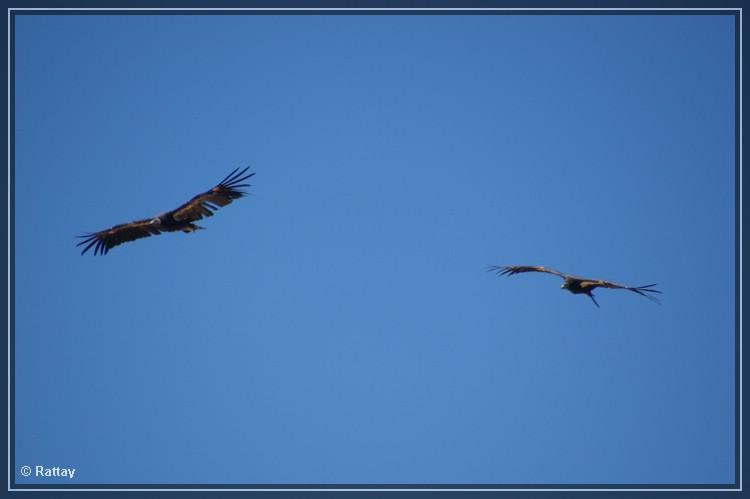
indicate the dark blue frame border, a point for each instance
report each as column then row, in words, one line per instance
column 451, row 489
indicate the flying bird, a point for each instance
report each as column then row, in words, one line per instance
column 576, row 285
column 182, row 218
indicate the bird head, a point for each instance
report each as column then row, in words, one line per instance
column 564, row 285
column 155, row 221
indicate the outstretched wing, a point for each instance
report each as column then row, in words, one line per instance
column 519, row 269
column 105, row 240
column 204, row 205
column 641, row 290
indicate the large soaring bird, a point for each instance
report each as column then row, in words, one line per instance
column 202, row 205
column 576, row 285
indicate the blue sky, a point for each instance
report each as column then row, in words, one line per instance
column 338, row 325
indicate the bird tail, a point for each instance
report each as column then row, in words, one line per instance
column 191, row 227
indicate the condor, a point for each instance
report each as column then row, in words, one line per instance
column 576, row 285
column 181, row 219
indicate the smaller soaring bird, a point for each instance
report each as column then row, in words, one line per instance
column 179, row 219
column 576, row 285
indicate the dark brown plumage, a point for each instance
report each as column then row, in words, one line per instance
column 576, row 285
column 181, row 219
